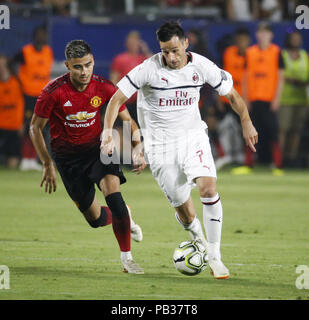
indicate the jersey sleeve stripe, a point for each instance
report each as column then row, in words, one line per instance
column 217, row 86
column 133, row 84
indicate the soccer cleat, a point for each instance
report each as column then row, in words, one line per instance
column 130, row 266
column 30, row 164
column 277, row 172
column 136, row 233
column 204, row 243
column 243, row 170
column 196, row 233
column 221, row 162
column 136, row 230
column 218, row 269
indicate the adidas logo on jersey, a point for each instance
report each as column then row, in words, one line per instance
column 68, row 104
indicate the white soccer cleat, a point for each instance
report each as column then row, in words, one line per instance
column 30, row 164
column 221, row 162
column 136, row 230
column 130, row 266
column 136, row 233
column 196, row 233
column 218, row 269
column 201, row 240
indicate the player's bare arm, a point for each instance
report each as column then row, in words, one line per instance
column 245, row 90
column 275, row 105
column 112, row 110
column 139, row 162
column 238, row 105
column 49, row 171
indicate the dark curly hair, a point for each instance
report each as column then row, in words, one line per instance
column 77, row 49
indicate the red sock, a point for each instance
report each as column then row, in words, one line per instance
column 107, row 215
column 249, row 157
column 276, row 154
column 28, row 150
column 122, row 231
column 220, row 149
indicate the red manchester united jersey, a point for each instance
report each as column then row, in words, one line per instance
column 74, row 116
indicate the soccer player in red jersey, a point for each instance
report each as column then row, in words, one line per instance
column 71, row 104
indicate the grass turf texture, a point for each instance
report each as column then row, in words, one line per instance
column 52, row 253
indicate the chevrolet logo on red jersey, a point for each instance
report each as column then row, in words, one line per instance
column 81, row 116
column 96, row 101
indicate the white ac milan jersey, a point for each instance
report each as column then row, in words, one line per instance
column 167, row 100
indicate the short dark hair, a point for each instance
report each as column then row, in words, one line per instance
column 170, row 29
column 288, row 36
column 264, row 25
column 242, row 31
column 38, row 29
column 77, row 49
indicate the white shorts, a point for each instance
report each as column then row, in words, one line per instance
column 177, row 167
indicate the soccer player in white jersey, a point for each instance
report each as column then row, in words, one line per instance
column 176, row 144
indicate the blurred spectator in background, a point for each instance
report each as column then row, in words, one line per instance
column 262, row 88
column 289, row 8
column 190, row 3
column 9, row 1
column 229, row 129
column 294, row 108
column 59, row 7
column 198, row 44
column 136, row 52
column 11, row 115
column 242, row 10
column 35, row 61
column 271, row 10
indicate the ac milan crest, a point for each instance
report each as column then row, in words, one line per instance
column 195, row 77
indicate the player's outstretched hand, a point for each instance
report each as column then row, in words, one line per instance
column 49, row 178
column 250, row 134
column 139, row 162
column 107, row 143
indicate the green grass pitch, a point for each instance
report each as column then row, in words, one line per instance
column 52, row 253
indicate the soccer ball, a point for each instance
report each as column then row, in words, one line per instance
column 190, row 258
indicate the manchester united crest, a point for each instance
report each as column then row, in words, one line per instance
column 96, row 101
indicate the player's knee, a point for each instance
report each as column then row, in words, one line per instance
column 117, row 205
column 95, row 224
column 208, row 191
column 109, row 184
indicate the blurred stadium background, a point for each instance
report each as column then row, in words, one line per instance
column 105, row 24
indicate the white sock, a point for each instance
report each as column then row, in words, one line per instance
column 212, row 218
column 195, row 228
column 127, row 255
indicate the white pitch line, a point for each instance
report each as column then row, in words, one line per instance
column 52, row 259
column 254, row 264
